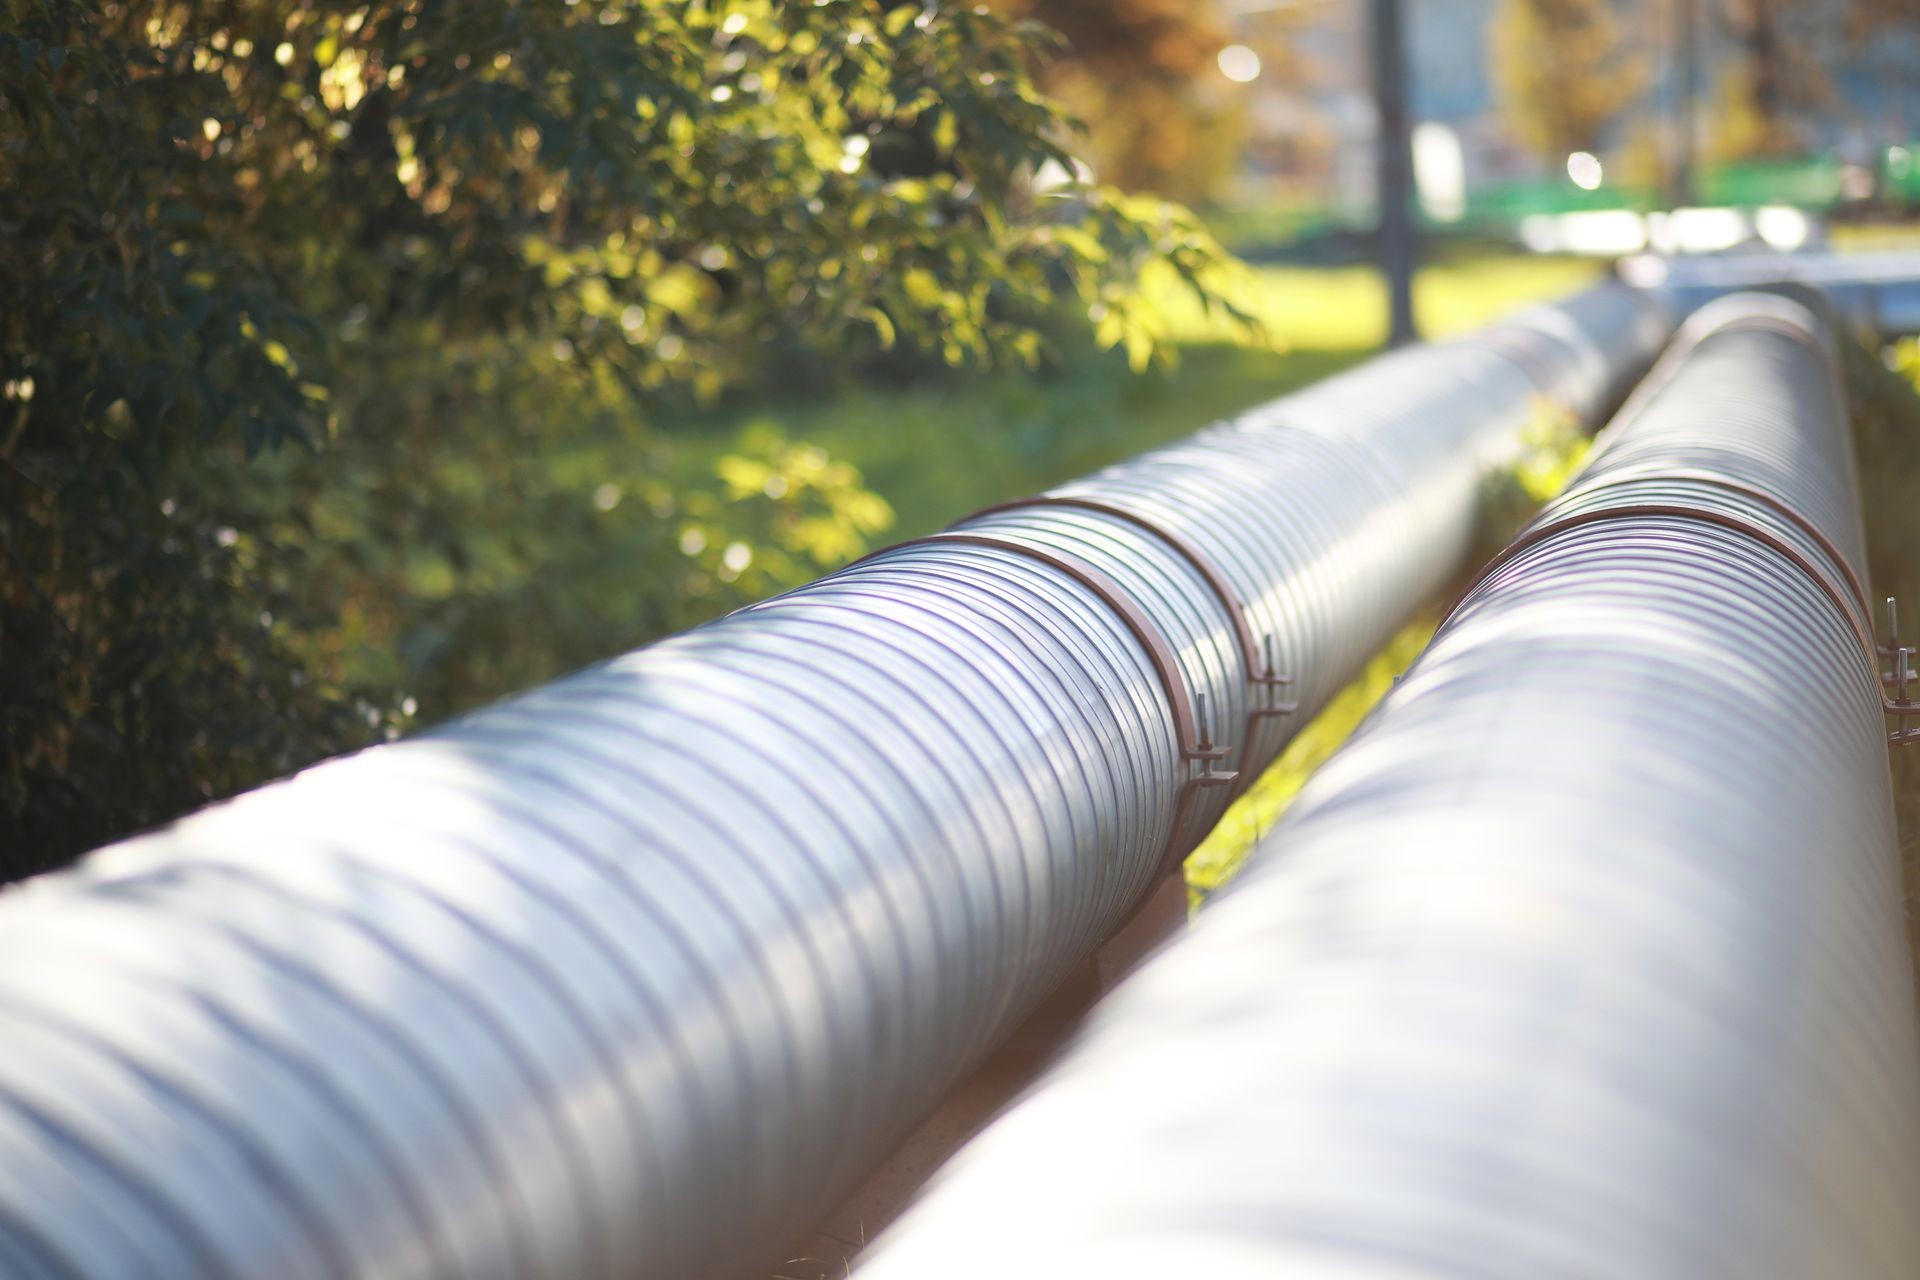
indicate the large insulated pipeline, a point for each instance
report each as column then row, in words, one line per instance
column 635, row 973
column 1584, row 958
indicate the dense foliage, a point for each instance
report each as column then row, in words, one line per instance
column 329, row 320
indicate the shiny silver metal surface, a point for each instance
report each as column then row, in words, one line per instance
column 1584, row 958
column 635, row 973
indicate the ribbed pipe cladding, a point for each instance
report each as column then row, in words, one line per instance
column 1585, row 956
column 641, row 969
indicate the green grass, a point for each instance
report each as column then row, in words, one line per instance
column 1345, row 308
column 936, row 453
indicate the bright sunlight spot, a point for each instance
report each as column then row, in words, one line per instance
column 1239, row 64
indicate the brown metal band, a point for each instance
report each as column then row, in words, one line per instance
column 1780, row 508
column 1216, row 582
column 1539, row 533
column 1178, row 848
column 1194, row 743
column 1260, row 673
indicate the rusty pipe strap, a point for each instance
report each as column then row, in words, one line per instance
column 1189, row 724
column 1258, row 671
column 1831, row 556
column 1852, row 603
column 1256, row 654
column 640, row 971
column 1584, row 957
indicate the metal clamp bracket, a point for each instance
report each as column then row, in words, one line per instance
column 1900, row 706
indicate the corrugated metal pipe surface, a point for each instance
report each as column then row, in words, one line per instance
column 1584, row 957
column 634, row 973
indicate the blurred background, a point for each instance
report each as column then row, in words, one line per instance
column 1794, row 116
column 365, row 363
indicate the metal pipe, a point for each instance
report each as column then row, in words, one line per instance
column 1878, row 290
column 1584, row 957
column 639, row 970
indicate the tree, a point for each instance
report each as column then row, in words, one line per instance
column 1564, row 72
column 256, row 251
column 1778, row 76
column 1136, row 71
column 1774, row 76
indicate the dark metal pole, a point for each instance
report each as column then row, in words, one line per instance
column 1395, row 158
column 1686, row 90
